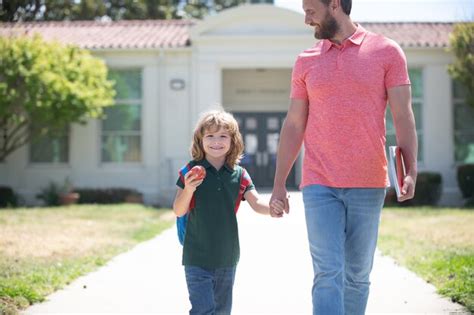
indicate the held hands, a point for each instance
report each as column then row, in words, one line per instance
column 408, row 188
column 277, row 206
column 279, row 202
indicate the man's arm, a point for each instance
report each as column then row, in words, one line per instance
column 399, row 98
column 291, row 139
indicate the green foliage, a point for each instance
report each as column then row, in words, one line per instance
column 30, row 10
column 465, row 177
column 50, row 194
column 46, row 86
column 8, row 198
column 427, row 192
column 105, row 195
column 462, row 70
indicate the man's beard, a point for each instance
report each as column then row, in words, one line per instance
column 328, row 28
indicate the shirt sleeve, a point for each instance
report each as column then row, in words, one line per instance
column 246, row 182
column 298, row 84
column 396, row 67
column 182, row 172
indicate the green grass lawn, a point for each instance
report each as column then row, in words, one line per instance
column 44, row 249
column 437, row 244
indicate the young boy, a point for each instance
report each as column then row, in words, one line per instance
column 211, row 244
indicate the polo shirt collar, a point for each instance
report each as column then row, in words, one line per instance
column 206, row 165
column 356, row 38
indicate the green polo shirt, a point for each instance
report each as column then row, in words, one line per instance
column 212, row 237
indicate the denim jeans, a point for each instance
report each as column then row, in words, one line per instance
column 342, row 226
column 210, row 290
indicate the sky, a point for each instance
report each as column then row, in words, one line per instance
column 402, row 10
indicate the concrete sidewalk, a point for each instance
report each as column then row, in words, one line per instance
column 274, row 276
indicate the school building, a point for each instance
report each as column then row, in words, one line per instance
column 172, row 70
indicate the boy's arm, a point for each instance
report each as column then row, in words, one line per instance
column 184, row 196
column 258, row 204
column 182, row 201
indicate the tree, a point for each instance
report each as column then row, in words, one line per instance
column 46, row 86
column 54, row 10
column 462, row 70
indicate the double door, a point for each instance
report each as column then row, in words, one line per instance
column 261, row 134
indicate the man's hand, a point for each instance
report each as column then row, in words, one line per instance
column 279, row 194
column 408, row 188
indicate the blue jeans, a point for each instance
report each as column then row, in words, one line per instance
column 210, row 290
column 342, row 226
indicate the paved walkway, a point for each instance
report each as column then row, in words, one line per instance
column 273, row 277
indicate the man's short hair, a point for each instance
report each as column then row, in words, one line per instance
column 345, row 4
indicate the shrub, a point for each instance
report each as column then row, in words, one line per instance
column 428, row 190
column 465, row 176
column 50, row 194
column 105, row 195
column 391, row 198
column 8, row 198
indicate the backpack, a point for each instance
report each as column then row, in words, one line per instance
column 182, row 221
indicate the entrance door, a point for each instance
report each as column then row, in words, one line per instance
column 261, row 134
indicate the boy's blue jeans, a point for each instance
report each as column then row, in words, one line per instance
column 342, row 226
column 210, row 290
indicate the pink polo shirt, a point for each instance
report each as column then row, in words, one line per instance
column 346, row 88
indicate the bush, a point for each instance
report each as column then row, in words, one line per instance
column 8, row 198
column 391, row 198
column 105, row 195
column 465, row 176
column 428, row 190
column 50, row 194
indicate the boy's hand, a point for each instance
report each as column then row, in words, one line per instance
column 192, row 181
column 278, row 206
column 279, row 194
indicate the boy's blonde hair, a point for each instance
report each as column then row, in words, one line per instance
column 213, row 121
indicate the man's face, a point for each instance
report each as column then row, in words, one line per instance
column 318, row 15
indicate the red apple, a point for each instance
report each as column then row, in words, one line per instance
column 199, row 171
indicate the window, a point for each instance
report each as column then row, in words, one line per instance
column 121, row 129
column 416, row 78
column 463, row 125
column 51, row 148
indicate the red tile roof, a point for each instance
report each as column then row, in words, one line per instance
column 135, row 34
column 175, row 33
column 414, row 34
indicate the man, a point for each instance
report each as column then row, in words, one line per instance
column 339, row 94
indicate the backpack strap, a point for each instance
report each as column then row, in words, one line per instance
column 182, row 173
column 244, row 182
column 183, row 220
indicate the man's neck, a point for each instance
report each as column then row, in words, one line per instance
column 346, row 29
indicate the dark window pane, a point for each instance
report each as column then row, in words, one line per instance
column 459, row 90
column 463, row 118
column 117, row 148
column 122, row 118
column 50, row 149
column 416, row 79
column 128, row 83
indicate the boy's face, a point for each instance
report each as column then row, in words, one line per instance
column 216, row 143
